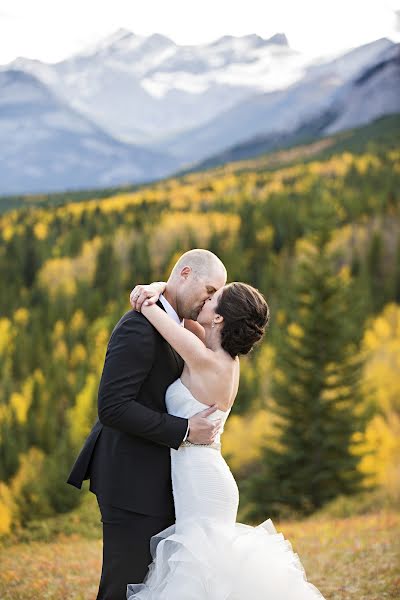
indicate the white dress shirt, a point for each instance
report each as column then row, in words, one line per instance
column 172, row 313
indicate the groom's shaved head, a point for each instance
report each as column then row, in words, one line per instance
column 202, row 262
column 196, row 276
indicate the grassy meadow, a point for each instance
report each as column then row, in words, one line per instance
column 347, row 558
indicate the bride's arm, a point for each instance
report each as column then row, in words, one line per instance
column 151, row 293
column 186, row 343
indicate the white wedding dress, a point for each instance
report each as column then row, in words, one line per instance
column 207, row 555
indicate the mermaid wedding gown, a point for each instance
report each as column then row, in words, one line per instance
column 207, row 555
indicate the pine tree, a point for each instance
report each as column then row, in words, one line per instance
column 316, row 392
column 62, row 498
column 375, row 268
column 36, row 418
column 396, row 274
column 140, row 268
column 31, row 258
column 9, row 447
column 107, row 278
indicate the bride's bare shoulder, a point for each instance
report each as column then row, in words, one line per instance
column 226, row 383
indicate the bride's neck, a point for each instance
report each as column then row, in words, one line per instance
column 212, row 339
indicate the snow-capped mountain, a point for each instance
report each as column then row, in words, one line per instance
column 144, row 88
column 373, row 94
column 48, row 146
column 279, row 112
column 76, row 123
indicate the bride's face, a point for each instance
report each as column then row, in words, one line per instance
column 208, row 313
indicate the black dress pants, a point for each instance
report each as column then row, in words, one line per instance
column 126, row 548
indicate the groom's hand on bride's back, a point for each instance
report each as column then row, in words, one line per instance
column 201, row 429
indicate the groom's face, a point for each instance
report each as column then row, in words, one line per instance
column 196, row 290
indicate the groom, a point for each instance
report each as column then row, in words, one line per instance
column 127, row 454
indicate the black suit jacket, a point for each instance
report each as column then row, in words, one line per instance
column 127, row 453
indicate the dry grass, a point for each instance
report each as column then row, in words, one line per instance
column 356, row 558
column 68, row 568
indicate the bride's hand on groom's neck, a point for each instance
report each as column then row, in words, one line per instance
column 146, row 293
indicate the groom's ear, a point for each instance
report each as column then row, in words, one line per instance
column 185, row 272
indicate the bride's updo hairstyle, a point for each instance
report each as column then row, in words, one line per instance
column 246, row 316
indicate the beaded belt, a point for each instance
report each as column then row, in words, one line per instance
column 216, row 445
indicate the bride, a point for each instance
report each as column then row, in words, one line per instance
column 206, row 554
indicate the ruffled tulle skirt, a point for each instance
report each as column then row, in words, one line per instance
column 200, row 559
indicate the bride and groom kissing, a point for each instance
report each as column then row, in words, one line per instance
column 167, row 498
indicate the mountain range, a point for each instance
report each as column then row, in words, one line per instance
column 47, row 145
column 136, row 108
column 359, row 100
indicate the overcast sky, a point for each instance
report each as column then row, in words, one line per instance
column 51, row 30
